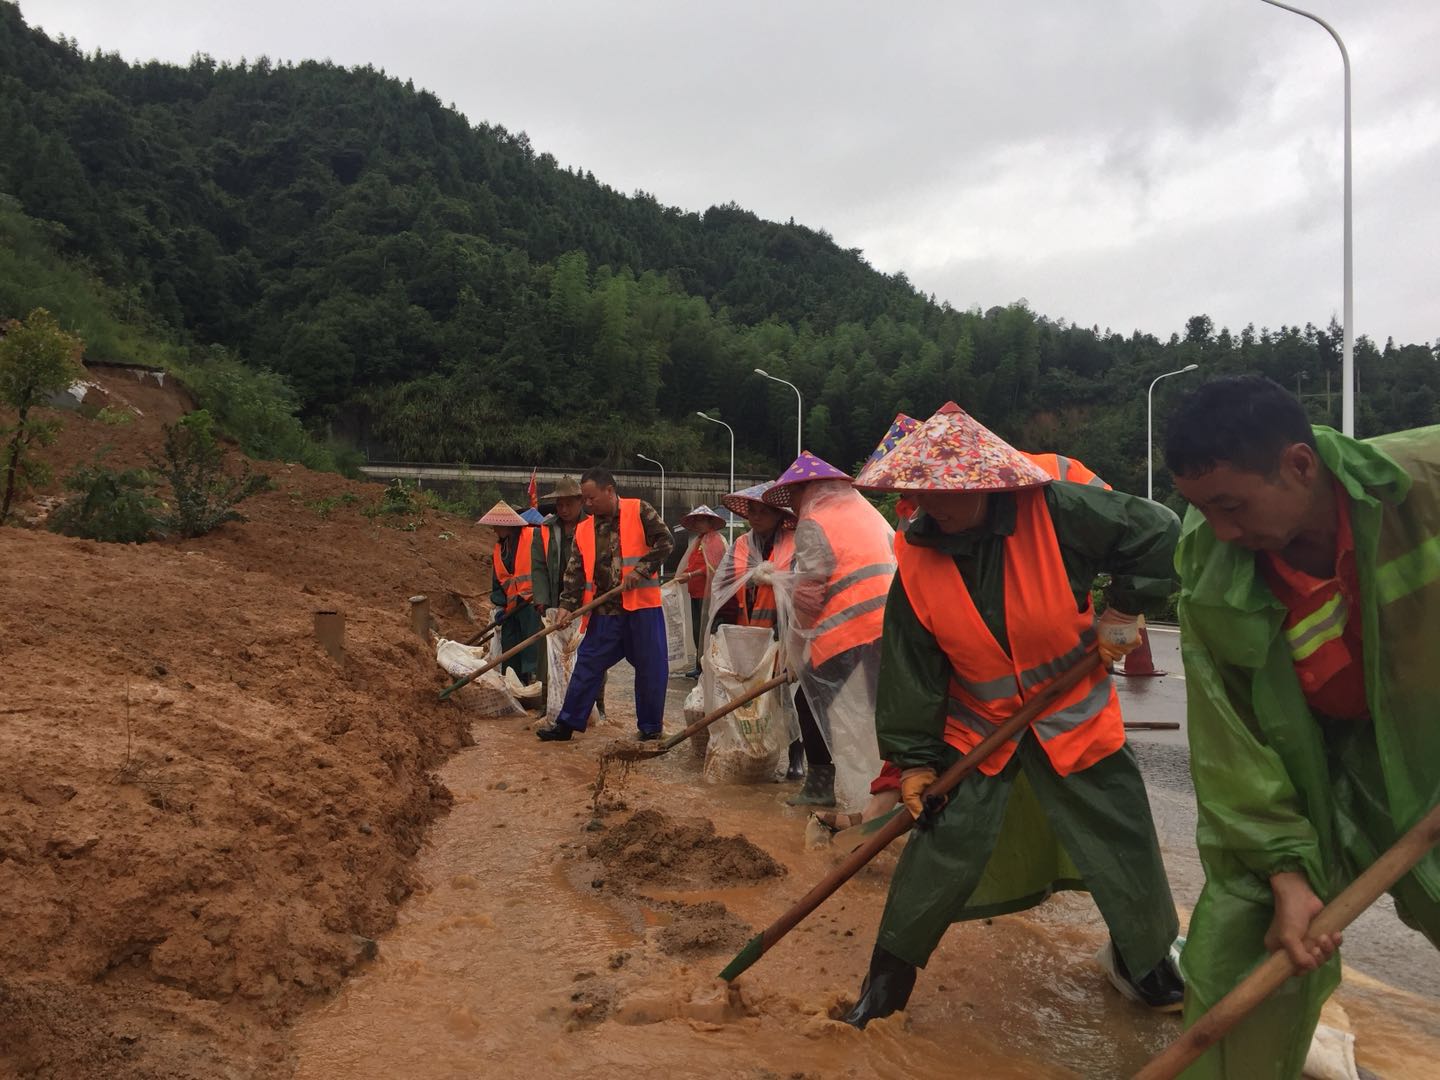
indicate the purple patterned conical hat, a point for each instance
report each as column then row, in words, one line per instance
column 803, row 469
column 901, row 426
column 952, row 451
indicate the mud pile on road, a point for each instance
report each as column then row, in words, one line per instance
column 205, row 820
column 653, row 849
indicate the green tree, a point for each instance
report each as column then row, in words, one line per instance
column 193, row 463
column 37, row 360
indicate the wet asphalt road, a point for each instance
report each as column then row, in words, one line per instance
column 1377, row 944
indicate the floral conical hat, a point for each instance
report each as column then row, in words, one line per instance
column 501, row 514
column 803, row 470
column 952, row 451
column 738, row 502
column 901, row 426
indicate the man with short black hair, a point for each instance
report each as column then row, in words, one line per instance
column 622, row 543
column 1310, row 625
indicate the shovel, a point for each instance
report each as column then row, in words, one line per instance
column 1382, row 875
column 641, row 752
column 545, row 631
column 899, row 824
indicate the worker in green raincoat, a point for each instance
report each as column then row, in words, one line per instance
column 989, row 604
column 1310, row 629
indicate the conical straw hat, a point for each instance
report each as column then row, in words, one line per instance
column 738, row 502
column 901, row 426
column 501, row 514
column 952, row 451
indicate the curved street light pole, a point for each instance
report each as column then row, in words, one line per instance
column 799, row 405
column 1347, row 367
column 652, row 461
column 730, row 527
column 1150, row 428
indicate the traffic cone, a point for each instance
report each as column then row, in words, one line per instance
column 1139, row 662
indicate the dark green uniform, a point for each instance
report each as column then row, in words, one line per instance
column 1004, row 843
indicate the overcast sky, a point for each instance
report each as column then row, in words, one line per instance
column 1126, row 163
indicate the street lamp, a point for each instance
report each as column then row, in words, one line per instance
column 799, row 405
column 1347, row 368
column 652, row 461
column 1150, row 429
column 730, row 528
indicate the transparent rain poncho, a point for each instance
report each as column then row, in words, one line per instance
column 829, row 603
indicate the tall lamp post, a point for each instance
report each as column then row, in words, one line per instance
column 1347, row 368
column 730, row 528
column 799, row 405
column 1150, row 429
column 652, row 461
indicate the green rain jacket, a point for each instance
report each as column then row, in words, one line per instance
column 1099, row 531
column 549, row 579
column 1274, row 793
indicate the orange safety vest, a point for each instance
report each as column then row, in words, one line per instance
column 633, row 548
column 852, row 610
column 1047, row 635
column 761, row 611
column 1066, row 468
column 519, row 581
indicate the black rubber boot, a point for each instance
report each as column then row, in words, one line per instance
column 819, row 789
column 886, row 989
column 1161, row 988
column 796, row 771
column 555, row 733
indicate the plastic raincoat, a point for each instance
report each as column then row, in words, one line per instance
column 841, row 690
column 1279, row 789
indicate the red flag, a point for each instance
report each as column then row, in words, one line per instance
column 534, row 491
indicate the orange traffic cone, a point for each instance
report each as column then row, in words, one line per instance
column 1139, row 662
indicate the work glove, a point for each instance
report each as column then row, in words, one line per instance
column 913, row 783
column 763, row 574
column 1119, row 634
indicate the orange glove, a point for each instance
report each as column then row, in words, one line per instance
column 913, row 783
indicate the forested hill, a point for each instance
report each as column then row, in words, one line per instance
column 448, row 293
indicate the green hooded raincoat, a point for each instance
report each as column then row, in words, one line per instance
column 1277, row 790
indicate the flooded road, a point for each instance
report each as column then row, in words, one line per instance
column 549, row 944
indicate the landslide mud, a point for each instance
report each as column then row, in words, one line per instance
column 206, row 822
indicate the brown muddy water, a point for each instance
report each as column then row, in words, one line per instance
column 546, row 944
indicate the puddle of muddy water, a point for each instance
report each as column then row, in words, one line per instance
column 528, row 954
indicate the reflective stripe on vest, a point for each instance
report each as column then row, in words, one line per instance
column 1325, row 623
column 519, row 580
column 1046, row 636
column 760, row 611
column 852, row 610
column 1409, row 572
column 633, row 548
column 1061, row 467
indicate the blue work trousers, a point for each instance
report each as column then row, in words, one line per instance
column 636, row 636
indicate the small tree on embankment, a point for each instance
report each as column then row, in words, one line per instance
column 37, row 361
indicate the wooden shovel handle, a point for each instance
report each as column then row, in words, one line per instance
column 726, row 709
column 545, row 631
column 1381, row 876
column 944, row 784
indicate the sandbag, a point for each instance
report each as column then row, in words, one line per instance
column 679, row 632
column 561, row 648
column 748, row 745
column 490, row 693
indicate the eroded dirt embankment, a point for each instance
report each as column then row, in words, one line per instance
column 205, row 820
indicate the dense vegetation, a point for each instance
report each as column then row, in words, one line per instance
column 438, row 290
